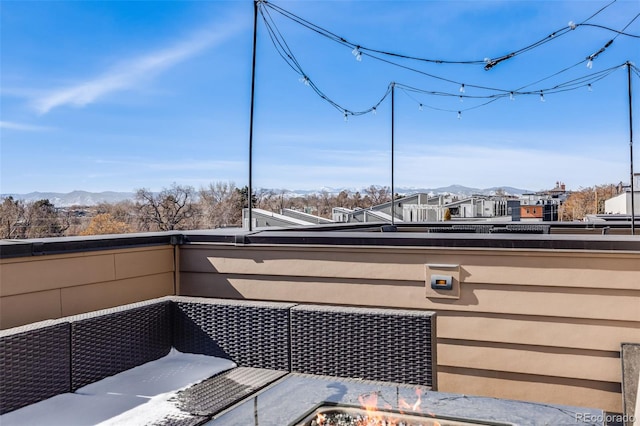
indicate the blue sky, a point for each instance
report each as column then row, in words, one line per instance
column 120, row 95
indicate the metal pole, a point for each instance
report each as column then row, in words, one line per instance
column 393, row 194
column 633, row 206
column 253, row 89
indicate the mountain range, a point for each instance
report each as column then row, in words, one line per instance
column 85, row 198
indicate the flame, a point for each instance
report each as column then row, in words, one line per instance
column 370, row 403
column 374, row 417
column 416, row 405
column 404, row 405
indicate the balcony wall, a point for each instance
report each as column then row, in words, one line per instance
column 542, row 324
column 35, row 288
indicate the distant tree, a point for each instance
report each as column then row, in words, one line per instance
column 173, row 208
column 357, row 202
column 586, row 201
column 447, row 214
column 104, row 223
column 378, row 194
column 42, row 219
column 122, row 211
column 342, row 200
column 325, row 204
column 11, row 218
column 243, row 200
column 219, row 205
column 77, row 221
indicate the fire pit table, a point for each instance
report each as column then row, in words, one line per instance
column 304, row 399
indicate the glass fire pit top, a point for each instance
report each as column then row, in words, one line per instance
column 331, row 414
column 291, row 399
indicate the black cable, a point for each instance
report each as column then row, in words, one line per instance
column 275, row 44
column 332, row 36
column 612, row 30
column 570, row 85
column 593, row 56
column 438, row 77
column 626, row 26
column 288, row 56
column 489, row 63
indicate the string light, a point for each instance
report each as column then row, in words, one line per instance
column 459, row 115
column 289, row 57
column 591, row 57
column 285, row 52
column 589, row 88
column 511, row 97
column 356, row 52
column 488, row 62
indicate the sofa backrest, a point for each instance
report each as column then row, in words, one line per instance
column 45, row 359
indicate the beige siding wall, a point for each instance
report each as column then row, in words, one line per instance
column 536, row 325
column 44, row 287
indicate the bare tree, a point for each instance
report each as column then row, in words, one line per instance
column 122, row 211
column 219, row 205
column 586, row 201
column 42, row 219
column 172, row 208
column 12, row 218
column 342, row 199
column 378, row 194
column 357, row 201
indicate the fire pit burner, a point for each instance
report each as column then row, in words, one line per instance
column 329, row 414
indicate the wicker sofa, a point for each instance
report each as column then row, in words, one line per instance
column 45, row 359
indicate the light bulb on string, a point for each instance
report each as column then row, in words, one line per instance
column 542, row 97
column 590, row 63
column 356, row 52
column 462, row 88
column 346, row 117
column 420, row 107
column 374, row 110
column 459, row 115
column 461, row 99
column 589, row 87
column 304, row 79
column 511, row 96
column 572, row 25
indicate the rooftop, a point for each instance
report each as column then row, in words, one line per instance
column 540, row 318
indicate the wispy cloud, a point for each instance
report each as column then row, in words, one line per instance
column 134, row 70
column 23, row 127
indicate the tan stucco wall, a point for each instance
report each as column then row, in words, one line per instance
column 536, row 325
column 44, row 287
